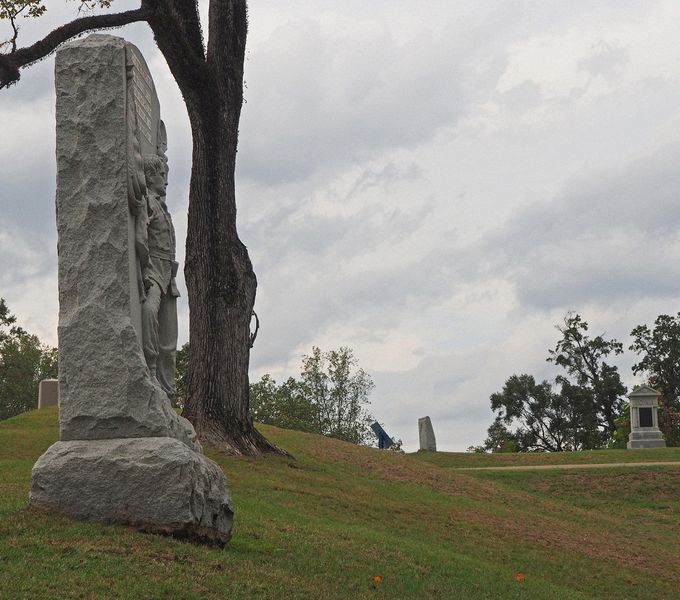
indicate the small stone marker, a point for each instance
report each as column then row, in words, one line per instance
column 123, row 455
column 48, row 393
column 427, row 439
column 644, row 419
column 384, row 440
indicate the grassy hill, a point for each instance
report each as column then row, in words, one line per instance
column 326, row 525
column 463, row 460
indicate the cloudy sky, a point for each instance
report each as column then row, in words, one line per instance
column 434, row 184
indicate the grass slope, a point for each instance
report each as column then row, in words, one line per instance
column 323, row 526
column 464, row 460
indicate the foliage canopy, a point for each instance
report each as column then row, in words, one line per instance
column 579, row 412
column 24, row 362
column 329, row 398
column 659, row 351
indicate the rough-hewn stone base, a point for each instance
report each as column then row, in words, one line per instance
column 154, row 484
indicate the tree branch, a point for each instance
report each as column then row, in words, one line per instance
column 227, row 31
column 176, row 28
column 12, row 62
column 591, row 365
column 12, row 14
column 182, row 20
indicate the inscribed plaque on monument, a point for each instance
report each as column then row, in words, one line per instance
column 645, row 414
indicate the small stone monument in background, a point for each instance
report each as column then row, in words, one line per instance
column 426, row 433
column 48, row 393
column 124, row 455
column 644, row 419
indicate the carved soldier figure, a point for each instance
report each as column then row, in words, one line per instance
column 156, row 252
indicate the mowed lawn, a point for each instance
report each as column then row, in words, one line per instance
column 343, row 521
column 464, row 460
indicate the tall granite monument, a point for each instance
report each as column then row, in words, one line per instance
column 124, row 455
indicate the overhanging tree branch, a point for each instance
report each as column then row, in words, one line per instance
column 177, row 30
column 12, row 62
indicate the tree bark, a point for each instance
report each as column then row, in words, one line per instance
column 220, row 279
column 221, row 285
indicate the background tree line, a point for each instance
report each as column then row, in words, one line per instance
column 329, row 397
column 585, row 407
column 24, row 362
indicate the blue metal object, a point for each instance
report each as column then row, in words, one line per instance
column 384, row 440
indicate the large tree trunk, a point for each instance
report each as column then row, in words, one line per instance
column 219, row 275
column 221, row 285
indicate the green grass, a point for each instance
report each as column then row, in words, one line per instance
column 324, row 525
column 466, row 460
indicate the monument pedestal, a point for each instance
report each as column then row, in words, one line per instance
column 154, row 484
column 646, row 439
